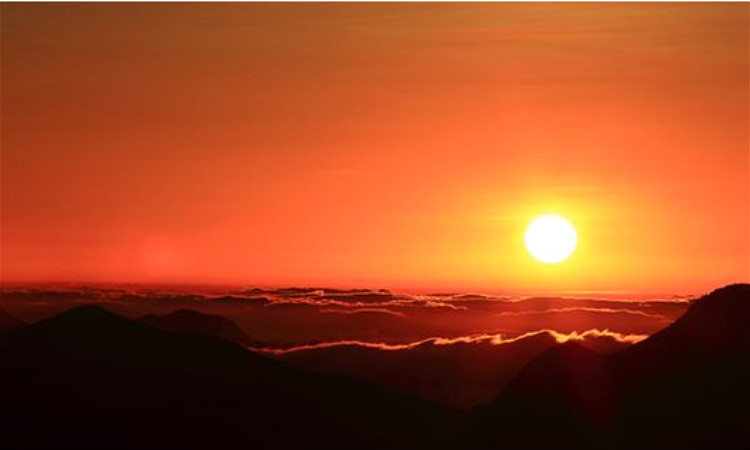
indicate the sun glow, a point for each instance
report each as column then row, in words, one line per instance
column 550, row 238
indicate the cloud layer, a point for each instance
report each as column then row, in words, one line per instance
column 462, row 372
column 308, row 315
column 454, row 348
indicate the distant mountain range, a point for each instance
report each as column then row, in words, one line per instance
column 455, row 373
column 90, row 379
column 199, row 322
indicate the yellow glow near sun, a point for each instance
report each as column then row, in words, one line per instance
column 550, row 238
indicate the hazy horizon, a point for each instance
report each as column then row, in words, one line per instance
column 199, row 287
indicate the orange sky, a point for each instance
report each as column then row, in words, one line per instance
column 388, row 145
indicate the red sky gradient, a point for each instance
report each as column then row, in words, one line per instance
column 388, row 145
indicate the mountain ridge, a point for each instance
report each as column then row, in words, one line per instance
column 684, row 387
column 145, row 384
column 692, row 373
column 214, row 325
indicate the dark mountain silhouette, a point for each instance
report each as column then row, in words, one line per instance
column 684, row 387
column 90, row 379
column 461, row 374
column 199, row 322
column 8, row 321
column 691, row 379
column 715, row 326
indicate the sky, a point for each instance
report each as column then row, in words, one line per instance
column 384, row 145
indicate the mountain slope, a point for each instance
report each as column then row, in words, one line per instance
column 460, row 375
column 209, row 324
column 90, row 379
column 685, row 387
column 8, row 321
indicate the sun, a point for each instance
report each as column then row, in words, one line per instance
column 550, row 238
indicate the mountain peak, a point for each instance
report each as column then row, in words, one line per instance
column 86, row 313
column 87, row 321
column 716, row 320
column 188, row 320
column 734, row 297
column 561, row 365
column 741, row 289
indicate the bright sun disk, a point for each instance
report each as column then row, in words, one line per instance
column 550, row 238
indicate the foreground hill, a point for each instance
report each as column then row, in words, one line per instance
column 684, row 387
column 91, row 379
